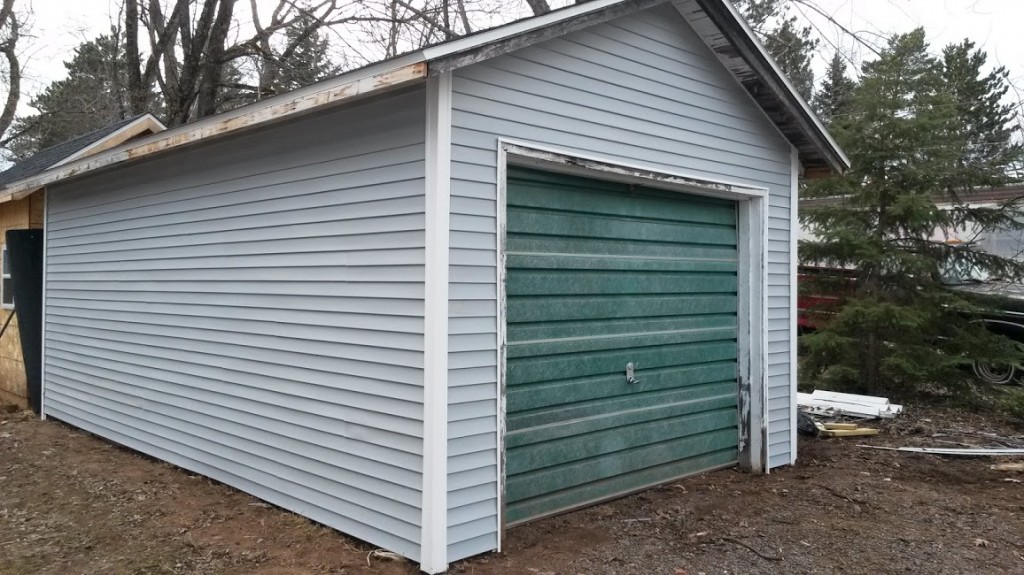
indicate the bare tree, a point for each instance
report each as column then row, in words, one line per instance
column 200, row 60
column 539, row 6
column 10, row 33
column 185, row 51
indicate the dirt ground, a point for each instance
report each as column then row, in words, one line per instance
column 71, row 503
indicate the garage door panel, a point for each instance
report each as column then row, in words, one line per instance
column 525, row 333
column 537, row 195
column 585, row 417
column 587, row 446
column 581, row 282
column 584, row 476
column 527, row 221
column 621, row 339
column 620, row 482
column 547, row 368
column 553, row 308
column 619, row 263
column 535, row 396
column 562, row 245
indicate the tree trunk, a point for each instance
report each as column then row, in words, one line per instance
column 137, row 91
column 871, row 369
column 213, row 66
column 9, row 20
column 539, row 6
column 464, row 17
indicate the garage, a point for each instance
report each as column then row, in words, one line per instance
column 430, row 299
column 621, row 324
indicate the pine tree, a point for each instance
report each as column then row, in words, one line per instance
column 833, row 98
column 234, row 92
column 792, row 48
column 791, row 45
column 305, row 58
column 906, row 131
column 90, row 97
column 300, row 59
column 985, row 120
column 987, row 154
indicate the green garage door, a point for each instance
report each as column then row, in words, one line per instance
column 621, row 315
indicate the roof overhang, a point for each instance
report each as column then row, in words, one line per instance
column 738, row 49
column 716, row 21
column 369, row 80
column 144, row 124
column 137, row 128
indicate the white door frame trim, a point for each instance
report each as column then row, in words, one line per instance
column 752, row 205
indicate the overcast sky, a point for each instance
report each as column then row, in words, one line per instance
column 993, row 24
column 59, row 25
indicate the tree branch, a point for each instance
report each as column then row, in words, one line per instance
column 539, row 7
column 9, row 50
column 433, row 21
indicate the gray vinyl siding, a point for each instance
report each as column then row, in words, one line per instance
column 640, row 90
column 252, row 310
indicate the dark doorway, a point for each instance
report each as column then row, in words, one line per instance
column 25, row 253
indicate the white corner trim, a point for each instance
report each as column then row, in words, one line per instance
column 794, row 236
column 42, row 350
column 434, row 525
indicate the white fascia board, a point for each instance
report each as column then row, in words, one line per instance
column 523, row 26
column 434, row 523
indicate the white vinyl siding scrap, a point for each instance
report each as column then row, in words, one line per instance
column 252, row 310
column 642, row 90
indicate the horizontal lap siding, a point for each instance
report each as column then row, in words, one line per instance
column 253, row 310
column 640, row 90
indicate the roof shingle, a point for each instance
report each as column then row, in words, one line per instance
column 44, row 159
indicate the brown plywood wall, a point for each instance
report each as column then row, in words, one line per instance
column 16, row 215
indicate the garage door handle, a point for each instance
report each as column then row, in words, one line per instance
column 630, row 374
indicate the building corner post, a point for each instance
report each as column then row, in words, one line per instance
column 794, row 261
column 434, row 524
column 42, row 348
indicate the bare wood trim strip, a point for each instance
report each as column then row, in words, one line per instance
column 147, row 124
column 177, row 138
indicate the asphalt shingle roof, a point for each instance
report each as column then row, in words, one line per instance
column 40, row 161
